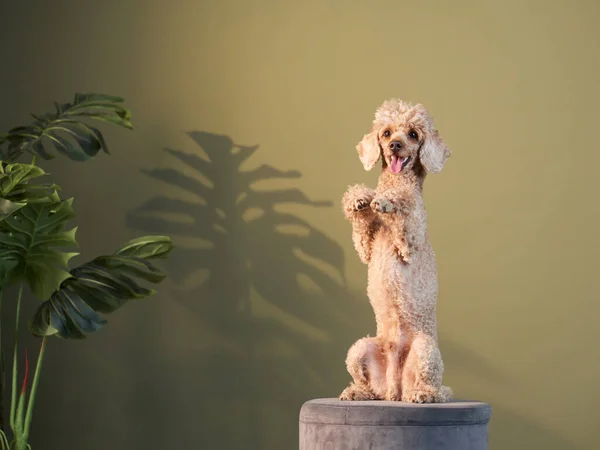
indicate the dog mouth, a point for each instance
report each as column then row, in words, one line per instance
column 397, row 164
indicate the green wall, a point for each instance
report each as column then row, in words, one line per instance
column 260, row 310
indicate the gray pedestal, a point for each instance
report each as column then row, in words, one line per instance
column 331, row 424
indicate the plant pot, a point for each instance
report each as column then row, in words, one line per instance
column 331, row 424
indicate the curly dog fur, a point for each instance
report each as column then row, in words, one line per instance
column 389, row 230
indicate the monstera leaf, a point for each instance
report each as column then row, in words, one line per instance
column 29, row 239
column 102, row 285
column 65, row 131
column 16, row 190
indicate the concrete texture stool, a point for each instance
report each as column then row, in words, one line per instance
column 331, row 424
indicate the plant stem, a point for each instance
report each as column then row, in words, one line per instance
column 4, row 444
column 13, row 402
column 2, row 372
column 32, row 392
column 22, row 397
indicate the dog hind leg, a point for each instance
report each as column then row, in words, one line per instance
column 366, row 364
column 422, row 375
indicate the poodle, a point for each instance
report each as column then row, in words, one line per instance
column 389, row 230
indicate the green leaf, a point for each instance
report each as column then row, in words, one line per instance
column 102, row 285
column 8, row 208
column 109, row 281
column 7, row 265
column 67, row 315
column 17, row 189
column 147, row 247
column 40, row 323
column 66, row 131
column 131, row 265
column 31, row 237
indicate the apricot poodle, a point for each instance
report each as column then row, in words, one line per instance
column 389, row 230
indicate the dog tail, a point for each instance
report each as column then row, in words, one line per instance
column 445, row 394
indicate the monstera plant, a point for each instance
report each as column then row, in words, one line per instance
column 37, row 240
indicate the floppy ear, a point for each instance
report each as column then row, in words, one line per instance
column 434, row 152
column 369, row 150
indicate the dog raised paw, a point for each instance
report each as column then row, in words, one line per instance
column 382, row 205
column 360, row 204
column 357, row 198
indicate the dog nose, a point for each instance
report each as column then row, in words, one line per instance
column 395, row 146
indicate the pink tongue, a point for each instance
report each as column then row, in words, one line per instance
column 396, row 164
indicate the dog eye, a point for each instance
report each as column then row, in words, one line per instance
column 386, row 133
column 413, row 134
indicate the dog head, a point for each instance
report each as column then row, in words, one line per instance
column 404, row 136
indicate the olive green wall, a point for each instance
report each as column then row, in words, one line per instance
column 260, row 310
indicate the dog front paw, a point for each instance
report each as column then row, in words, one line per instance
column 382, row 205
column 357, row 198
column 360, row 204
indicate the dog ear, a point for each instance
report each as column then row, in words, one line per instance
column 369, row 150
column 434, row 152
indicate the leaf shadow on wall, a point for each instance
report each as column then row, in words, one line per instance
column 267, row 285
column 267, row 290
